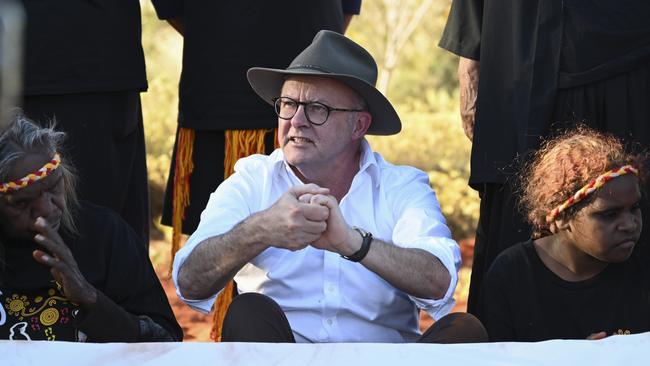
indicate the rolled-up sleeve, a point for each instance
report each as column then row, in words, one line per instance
column 227, row 206
column 420, row 224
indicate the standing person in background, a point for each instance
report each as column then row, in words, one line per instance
column 220, row 119
column 544, row 65
column 84, row 67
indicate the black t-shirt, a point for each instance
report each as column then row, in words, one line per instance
column 111, row 258
column 223, row 39
column 524, row 301
column 81, row 46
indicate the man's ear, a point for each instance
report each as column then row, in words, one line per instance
column 361, row 124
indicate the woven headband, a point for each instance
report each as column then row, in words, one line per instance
column 30, row 178
column 588, row 189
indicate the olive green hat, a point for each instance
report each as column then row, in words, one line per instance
column 332, row 55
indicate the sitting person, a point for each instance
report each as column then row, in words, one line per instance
column 582, row 276
column 69, row 270
column 327, row 242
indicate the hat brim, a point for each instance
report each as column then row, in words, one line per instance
column 267, row 83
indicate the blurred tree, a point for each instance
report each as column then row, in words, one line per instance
column 403, row 35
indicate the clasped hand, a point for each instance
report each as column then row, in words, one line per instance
column 308, row 215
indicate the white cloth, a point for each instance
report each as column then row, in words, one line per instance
column 327, row 298
column 615, row 350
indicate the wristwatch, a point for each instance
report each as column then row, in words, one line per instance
column 365, row 246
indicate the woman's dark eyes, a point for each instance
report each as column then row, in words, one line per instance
column 608, row 214
column 19, row 204
column 612, row 213
column 56, row 189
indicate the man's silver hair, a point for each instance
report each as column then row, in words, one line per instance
column 23, row 137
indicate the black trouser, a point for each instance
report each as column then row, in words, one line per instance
column 500, row 226
column 105, row 142
column 254, row 317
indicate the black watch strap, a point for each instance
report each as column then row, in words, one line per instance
column 365, row 246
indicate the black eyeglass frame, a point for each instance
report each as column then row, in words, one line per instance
column 305, row 105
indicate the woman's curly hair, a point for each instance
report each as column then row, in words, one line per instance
column 565, row 164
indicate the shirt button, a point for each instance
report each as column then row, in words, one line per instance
column 330, row 288
column 329, row 321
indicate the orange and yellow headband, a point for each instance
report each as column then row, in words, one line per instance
column 30, row 178
column 588, row 189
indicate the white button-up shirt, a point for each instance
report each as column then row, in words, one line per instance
column 325, row 297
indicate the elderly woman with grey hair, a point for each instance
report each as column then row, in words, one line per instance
column 69, row 270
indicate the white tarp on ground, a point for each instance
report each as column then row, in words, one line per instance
column 616, row 350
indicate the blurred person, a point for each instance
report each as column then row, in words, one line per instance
column 69, row 270
column 528, row 68
column 84, row 66
column 582, row 275
column 327, row 242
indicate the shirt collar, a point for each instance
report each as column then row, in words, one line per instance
column 367, row 162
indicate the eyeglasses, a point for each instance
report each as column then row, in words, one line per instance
column 316, row 112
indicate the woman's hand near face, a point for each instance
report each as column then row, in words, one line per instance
column 62, row 264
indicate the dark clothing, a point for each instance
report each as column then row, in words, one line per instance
column 84, row 66
column 222, row 40
column 498, row 205
column 602, row 39
column 524, row 301
column 80, row 46
column 544, row 66
column 208, row 173
column 529, row 49
column 619, row 105
column 253, row 317
column 131, row 304
column 106, row 145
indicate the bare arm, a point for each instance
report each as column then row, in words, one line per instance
column 287, row 224
column 414, row 271
column 468, row 75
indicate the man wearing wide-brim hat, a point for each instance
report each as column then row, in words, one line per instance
column 326, row 241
